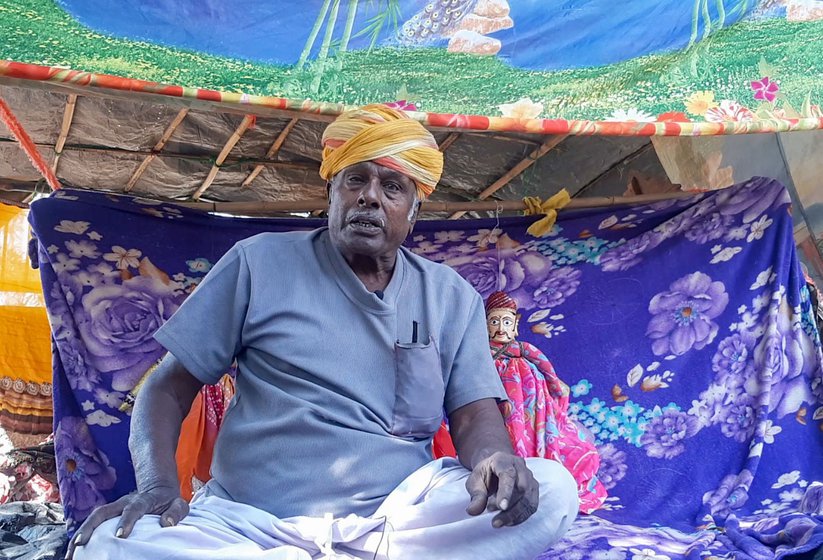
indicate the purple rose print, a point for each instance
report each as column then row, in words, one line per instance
column 83, row 471
column 731, row 493
column 664, row 435
column 683, row 316
column 625, row 256
column 780, row 360
column 663, row 204
column 62, row 298
column 80, row 374
column 60, row 320
column 117, row 323
column 739, row 418
column 519, row 273
column 479, row 271
column 817, row 387
column 522, row 273
column 733, row 354
column 673, row 226
column 751, row 202
column 709, row 229
column 612, row 465
column 560, row 284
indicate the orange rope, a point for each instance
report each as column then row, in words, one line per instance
column 28, row 146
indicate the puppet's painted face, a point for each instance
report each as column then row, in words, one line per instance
column 502, row 325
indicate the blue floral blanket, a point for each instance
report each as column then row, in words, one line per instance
column 684, row 329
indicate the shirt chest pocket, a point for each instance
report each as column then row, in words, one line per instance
column 419, row 390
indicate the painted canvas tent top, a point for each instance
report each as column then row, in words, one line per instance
column 173, row 99
column 720, row 61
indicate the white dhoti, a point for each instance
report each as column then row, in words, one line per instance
column 424, row 517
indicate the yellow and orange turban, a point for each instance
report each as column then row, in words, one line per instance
column 387, row 137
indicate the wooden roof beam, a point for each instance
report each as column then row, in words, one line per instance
column 275, row 147
column 319, row 204
column 450, row 139
column 224, row 153
column 174, row 155
column 68, row 115
column 181, row 114
column 515, row 171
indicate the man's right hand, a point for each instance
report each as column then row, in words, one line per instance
column 163, row 501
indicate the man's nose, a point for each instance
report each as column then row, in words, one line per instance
column 370, row 193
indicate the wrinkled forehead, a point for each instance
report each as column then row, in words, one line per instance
column 373, row 168
column 501, row 314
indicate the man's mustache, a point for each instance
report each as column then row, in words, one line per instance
column 368, row 217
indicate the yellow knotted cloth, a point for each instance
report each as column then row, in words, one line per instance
column 387, row 137
column 548, row 208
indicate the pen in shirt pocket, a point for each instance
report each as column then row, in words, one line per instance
column 419, row 334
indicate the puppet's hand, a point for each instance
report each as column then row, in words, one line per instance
column 503, row 482
column 163, row 501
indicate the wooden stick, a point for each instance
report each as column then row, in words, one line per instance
column 224, row 153
column 181, row 114
column 313, row 205
column 623, row 161
column 504, row 138
column 275, row 147
column 536, row 154
column 175, row 155
column 68, row 115
column 450, row 139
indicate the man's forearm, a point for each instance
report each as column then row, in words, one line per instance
column 163, row 402
column 478, row 432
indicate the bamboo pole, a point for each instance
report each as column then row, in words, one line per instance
column 319, row 204
column 68, row 115
column 224, row 153
column 275, row 147
column 535, row 155
column 623, row 161
column 157, row 147
column 347, row 31
column 707, row 19
column 721, row 14
column 503, row 137
column 174, row 155
column 318, row 23
column 322, row 56
column 450, row 139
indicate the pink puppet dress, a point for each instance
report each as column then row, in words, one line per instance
column 536, row 412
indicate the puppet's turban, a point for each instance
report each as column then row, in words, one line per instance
column 500, row 300
column 387, row 137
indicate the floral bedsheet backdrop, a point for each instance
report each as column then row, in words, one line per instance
column 683, row 328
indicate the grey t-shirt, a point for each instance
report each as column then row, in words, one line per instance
column 335, row 404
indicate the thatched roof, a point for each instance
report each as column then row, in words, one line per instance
column 193, row 150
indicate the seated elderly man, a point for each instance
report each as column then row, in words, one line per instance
column 348, row 349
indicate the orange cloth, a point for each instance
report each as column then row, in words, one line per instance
column 199, row 434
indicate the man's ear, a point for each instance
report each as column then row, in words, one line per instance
column 415, row 212
column 413, row 216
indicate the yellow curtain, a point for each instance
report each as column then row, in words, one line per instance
column 25, row 340
column 16, row 274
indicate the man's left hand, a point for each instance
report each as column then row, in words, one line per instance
column 503, row 482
